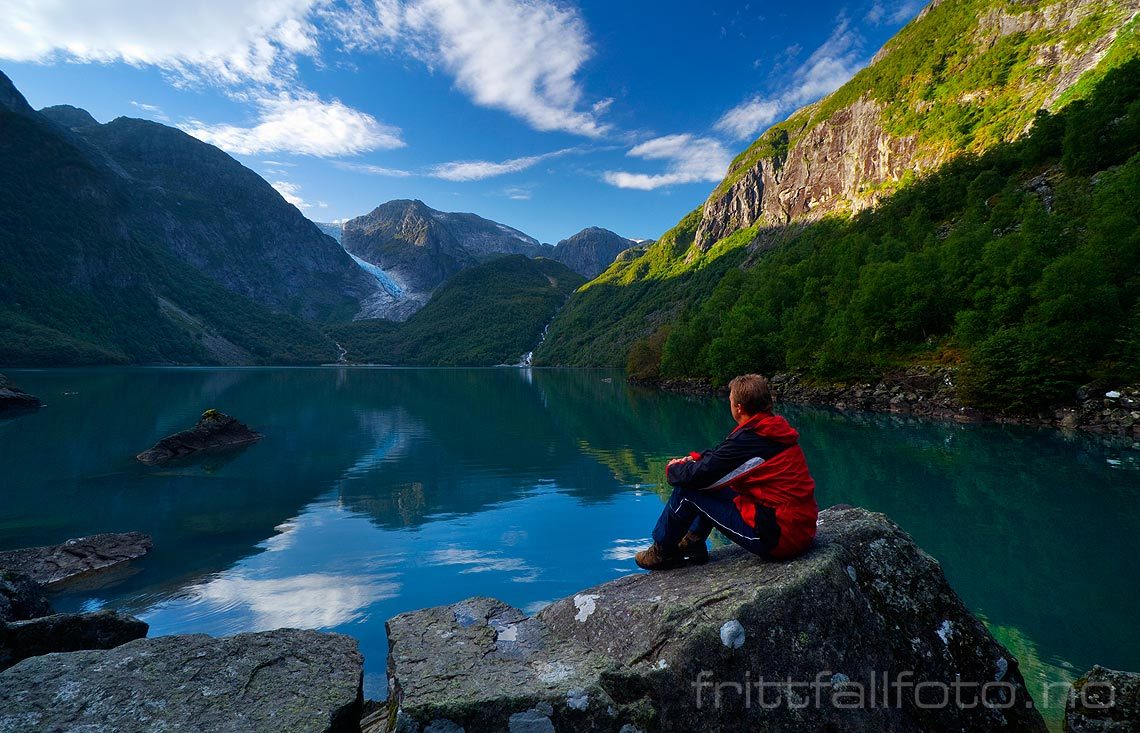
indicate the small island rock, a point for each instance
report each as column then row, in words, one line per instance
column 214, row 430
column 56, row 564
column 283, row 681
column 14, row 398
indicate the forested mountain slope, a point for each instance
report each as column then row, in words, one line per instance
column 493, row 313
column 989, row 245
column 91, row 269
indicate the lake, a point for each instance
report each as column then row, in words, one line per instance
column 377, row 491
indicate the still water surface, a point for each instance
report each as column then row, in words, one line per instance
column 377, row 491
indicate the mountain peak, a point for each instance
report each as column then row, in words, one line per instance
column 11, row 98
column 591, row 251
column 420, row 247
column 593, row 232
column 69, row 116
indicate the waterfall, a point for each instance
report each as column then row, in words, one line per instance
column 527, row 359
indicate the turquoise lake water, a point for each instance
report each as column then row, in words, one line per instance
column 377, row 491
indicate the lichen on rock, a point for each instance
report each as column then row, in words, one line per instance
column 676, row 651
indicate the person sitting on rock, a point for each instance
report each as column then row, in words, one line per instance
column 755, row 487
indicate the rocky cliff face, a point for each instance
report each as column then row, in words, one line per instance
column 834, row 166
column 590, row 251
column 846, row 151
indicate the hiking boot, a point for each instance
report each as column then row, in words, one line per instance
column 657, row 558
column 692, row 547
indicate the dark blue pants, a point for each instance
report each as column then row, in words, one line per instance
column 692, row 510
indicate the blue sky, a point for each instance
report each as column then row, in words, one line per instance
column 546, row 115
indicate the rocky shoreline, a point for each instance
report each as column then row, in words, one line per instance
column 1109, row 412
column 613, row 658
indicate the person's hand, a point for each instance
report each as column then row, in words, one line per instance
column 686, row 459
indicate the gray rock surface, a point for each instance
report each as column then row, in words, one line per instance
column 1104, row 701
column 283, row 681
column 21, row 597
column 55, row 564
column 13, row 398
column 652, row 651
column 590, row 251
column 66, row 632
column 214, row 430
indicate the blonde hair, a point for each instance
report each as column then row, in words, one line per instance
column 751, row 392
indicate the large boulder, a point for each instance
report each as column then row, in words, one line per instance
column 13, row 398
column 66, row 632
column 863, row 633
column 56, row 564
column 21, row 597
column 1104, row 701
column 283, row 681
column 214, row 430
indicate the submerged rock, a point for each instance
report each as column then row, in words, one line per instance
column 861, row 633
column 214, row 430
column 66, row 632
column 55, row 564
column 21, row 597
column 1104, row 701
column 13, row 398
column 284, row 681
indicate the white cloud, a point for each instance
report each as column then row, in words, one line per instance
column 881, row 14
column 626, row 549
column 193, row 39
column 691, row 159
column 301, row 123
column 311, row 601
column 478, row 561
column 829, row 67
column 520, row 56
column 477, row 170
column 291, row 192
column 153, row 110
column 249, row 48
column 372, row 170
column 747, row 118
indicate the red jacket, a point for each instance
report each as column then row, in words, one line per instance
column 763, row 463
column 783, row 483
